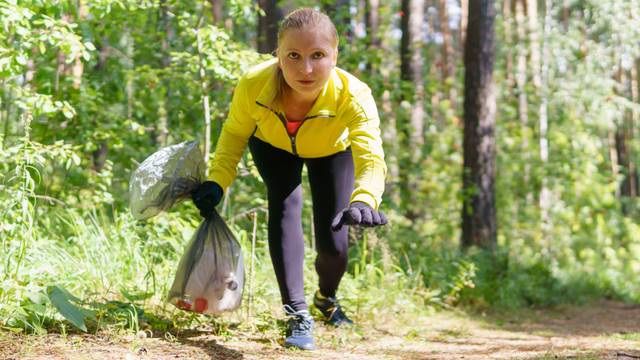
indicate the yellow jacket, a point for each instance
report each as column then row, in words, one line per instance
column 343, row 115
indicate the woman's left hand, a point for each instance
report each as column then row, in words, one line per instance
column 358, row 213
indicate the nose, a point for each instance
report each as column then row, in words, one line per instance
column 306, row 67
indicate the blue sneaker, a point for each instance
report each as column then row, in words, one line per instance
column 331, row 310
column 299, row 329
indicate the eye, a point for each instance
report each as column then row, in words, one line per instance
column 293, row 56
column 317, row 55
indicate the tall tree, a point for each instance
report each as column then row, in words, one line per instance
column 412, row 63
column 166, row 29
column 545, row 193
column 534, row 41
column 523, row 103
column 479, row 224
column 411, row 74
column 372, row 22
column 624, row 141
column 507, row 21
column 464, row 16
column 267, row 40
column 448, row 53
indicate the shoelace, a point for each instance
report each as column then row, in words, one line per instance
column 333, row 310
column 303, row 322
column 329, row 304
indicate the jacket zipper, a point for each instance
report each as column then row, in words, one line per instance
column 283, row 120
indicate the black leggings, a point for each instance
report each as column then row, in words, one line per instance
column 331, row 181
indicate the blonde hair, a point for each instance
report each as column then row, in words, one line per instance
column 299, row 19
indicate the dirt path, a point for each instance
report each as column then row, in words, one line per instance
column 605, row 330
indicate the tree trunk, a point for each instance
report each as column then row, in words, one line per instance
column 479, row 224
column 100, row 156
column 216, row 11
column 411, row 73
column 545, row 193
column 448, row 54
column 389, row 122
column 390, row 138
column 624, row 138
column 523, row 104
column 372, row 25
column 268, row 26
column 534, row 42
column 405, row 54
column 464, row 17
column 507, row 21
column 417, row 63
column 613, row 153
column 78, row 66
column 162, row 126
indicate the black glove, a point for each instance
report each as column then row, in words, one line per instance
column 206, row 196
column 358, row 213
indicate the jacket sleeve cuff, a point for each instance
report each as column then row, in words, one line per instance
column 220, row 181
column 365, row 198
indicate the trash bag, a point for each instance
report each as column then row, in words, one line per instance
column 210, row 274
column 166, row 177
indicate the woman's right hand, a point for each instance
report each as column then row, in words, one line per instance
column 206, row 196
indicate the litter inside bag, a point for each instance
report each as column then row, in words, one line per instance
column 210, row 275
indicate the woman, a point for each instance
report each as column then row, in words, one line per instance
column 299, row 109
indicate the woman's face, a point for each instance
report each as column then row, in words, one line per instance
column 306, row 57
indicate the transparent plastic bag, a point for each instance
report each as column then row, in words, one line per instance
column 210, row 275
column 166, row 177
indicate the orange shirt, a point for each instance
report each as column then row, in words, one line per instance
column 292, row 127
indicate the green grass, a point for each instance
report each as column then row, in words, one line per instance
column 631, row 336
column 120, row 271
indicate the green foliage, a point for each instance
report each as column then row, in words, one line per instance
column 63, row 302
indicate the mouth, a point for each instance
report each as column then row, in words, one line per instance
column 306, row 82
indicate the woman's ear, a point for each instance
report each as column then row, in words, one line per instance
column 334, row 59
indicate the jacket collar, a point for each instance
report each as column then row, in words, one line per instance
column 325, row 105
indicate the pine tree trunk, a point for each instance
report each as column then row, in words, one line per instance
column 448, row 54
column 523, row 103
column 633, row 121
column 390, row 139
column 464, row 17
column 507, row 20
column 372, row 25
column 479, row 224
column 545, row 193
column 405, row 53
column 268, row 26
column 78, row 66
column 162, row 127
column 624, row 137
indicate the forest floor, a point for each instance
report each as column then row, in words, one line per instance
column 601, row 330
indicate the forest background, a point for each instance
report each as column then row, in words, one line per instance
column 89, row 89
